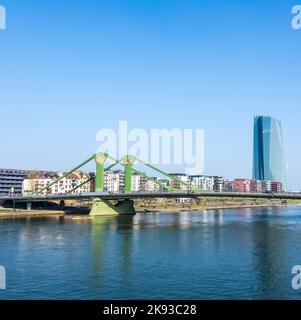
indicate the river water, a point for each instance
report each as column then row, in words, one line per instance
column 218, row 254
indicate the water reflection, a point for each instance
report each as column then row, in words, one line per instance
column 269, row 251
column 215, row 254
column 212, row 216
column 103, row 232
column 98, row 227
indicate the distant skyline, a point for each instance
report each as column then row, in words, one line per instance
column 70, row 68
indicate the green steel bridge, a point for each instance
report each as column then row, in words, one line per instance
column 105, row 203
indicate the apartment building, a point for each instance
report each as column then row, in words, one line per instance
column 11, row 181
column 114, row 181
column 38, row 180
column 151, row 186
column 257, row 186
column 228, row 186
column 139, row 183
column 177, row 185
column 273, row 186
column 205, row 183
column 241, row 185
column 218, row 184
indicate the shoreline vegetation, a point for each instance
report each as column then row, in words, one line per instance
column 158, row 206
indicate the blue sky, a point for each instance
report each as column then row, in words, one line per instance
column 69, row 68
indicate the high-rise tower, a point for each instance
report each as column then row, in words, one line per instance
column 268, row 154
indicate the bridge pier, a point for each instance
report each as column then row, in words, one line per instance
column 62, row 204
column 29, row 206
column 112, row 208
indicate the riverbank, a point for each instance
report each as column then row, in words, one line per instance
column 200, row 209
column 213, row 204
column 160, row 206
column 10, row 213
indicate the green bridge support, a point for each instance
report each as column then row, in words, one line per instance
column 128, row 162
column 100, row 159
column 102, row 208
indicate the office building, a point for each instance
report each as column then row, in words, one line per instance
column 11, row 181
column 268, row 154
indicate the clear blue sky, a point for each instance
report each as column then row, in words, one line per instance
column 69, row 68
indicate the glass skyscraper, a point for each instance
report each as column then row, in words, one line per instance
column 268, row 154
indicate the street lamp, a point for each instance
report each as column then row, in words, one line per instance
column 12, row 192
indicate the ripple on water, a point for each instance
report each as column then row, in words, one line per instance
column 217, row 254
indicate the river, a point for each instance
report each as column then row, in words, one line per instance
column 217, row 254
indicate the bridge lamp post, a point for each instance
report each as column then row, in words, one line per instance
column 12, row 193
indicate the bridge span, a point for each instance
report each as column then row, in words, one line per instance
column 146, row 195
column 105, row 203
column 108, row 204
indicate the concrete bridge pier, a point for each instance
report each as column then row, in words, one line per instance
column 112, row 208
column 29, row 206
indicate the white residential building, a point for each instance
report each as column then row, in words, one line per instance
column 151, row 186
column 138, row 183
column 218, row 184
column 114, row 181
column 177, row 185
column 205, row 183
column 36, row 181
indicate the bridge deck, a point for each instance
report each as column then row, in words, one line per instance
column 141, row 195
